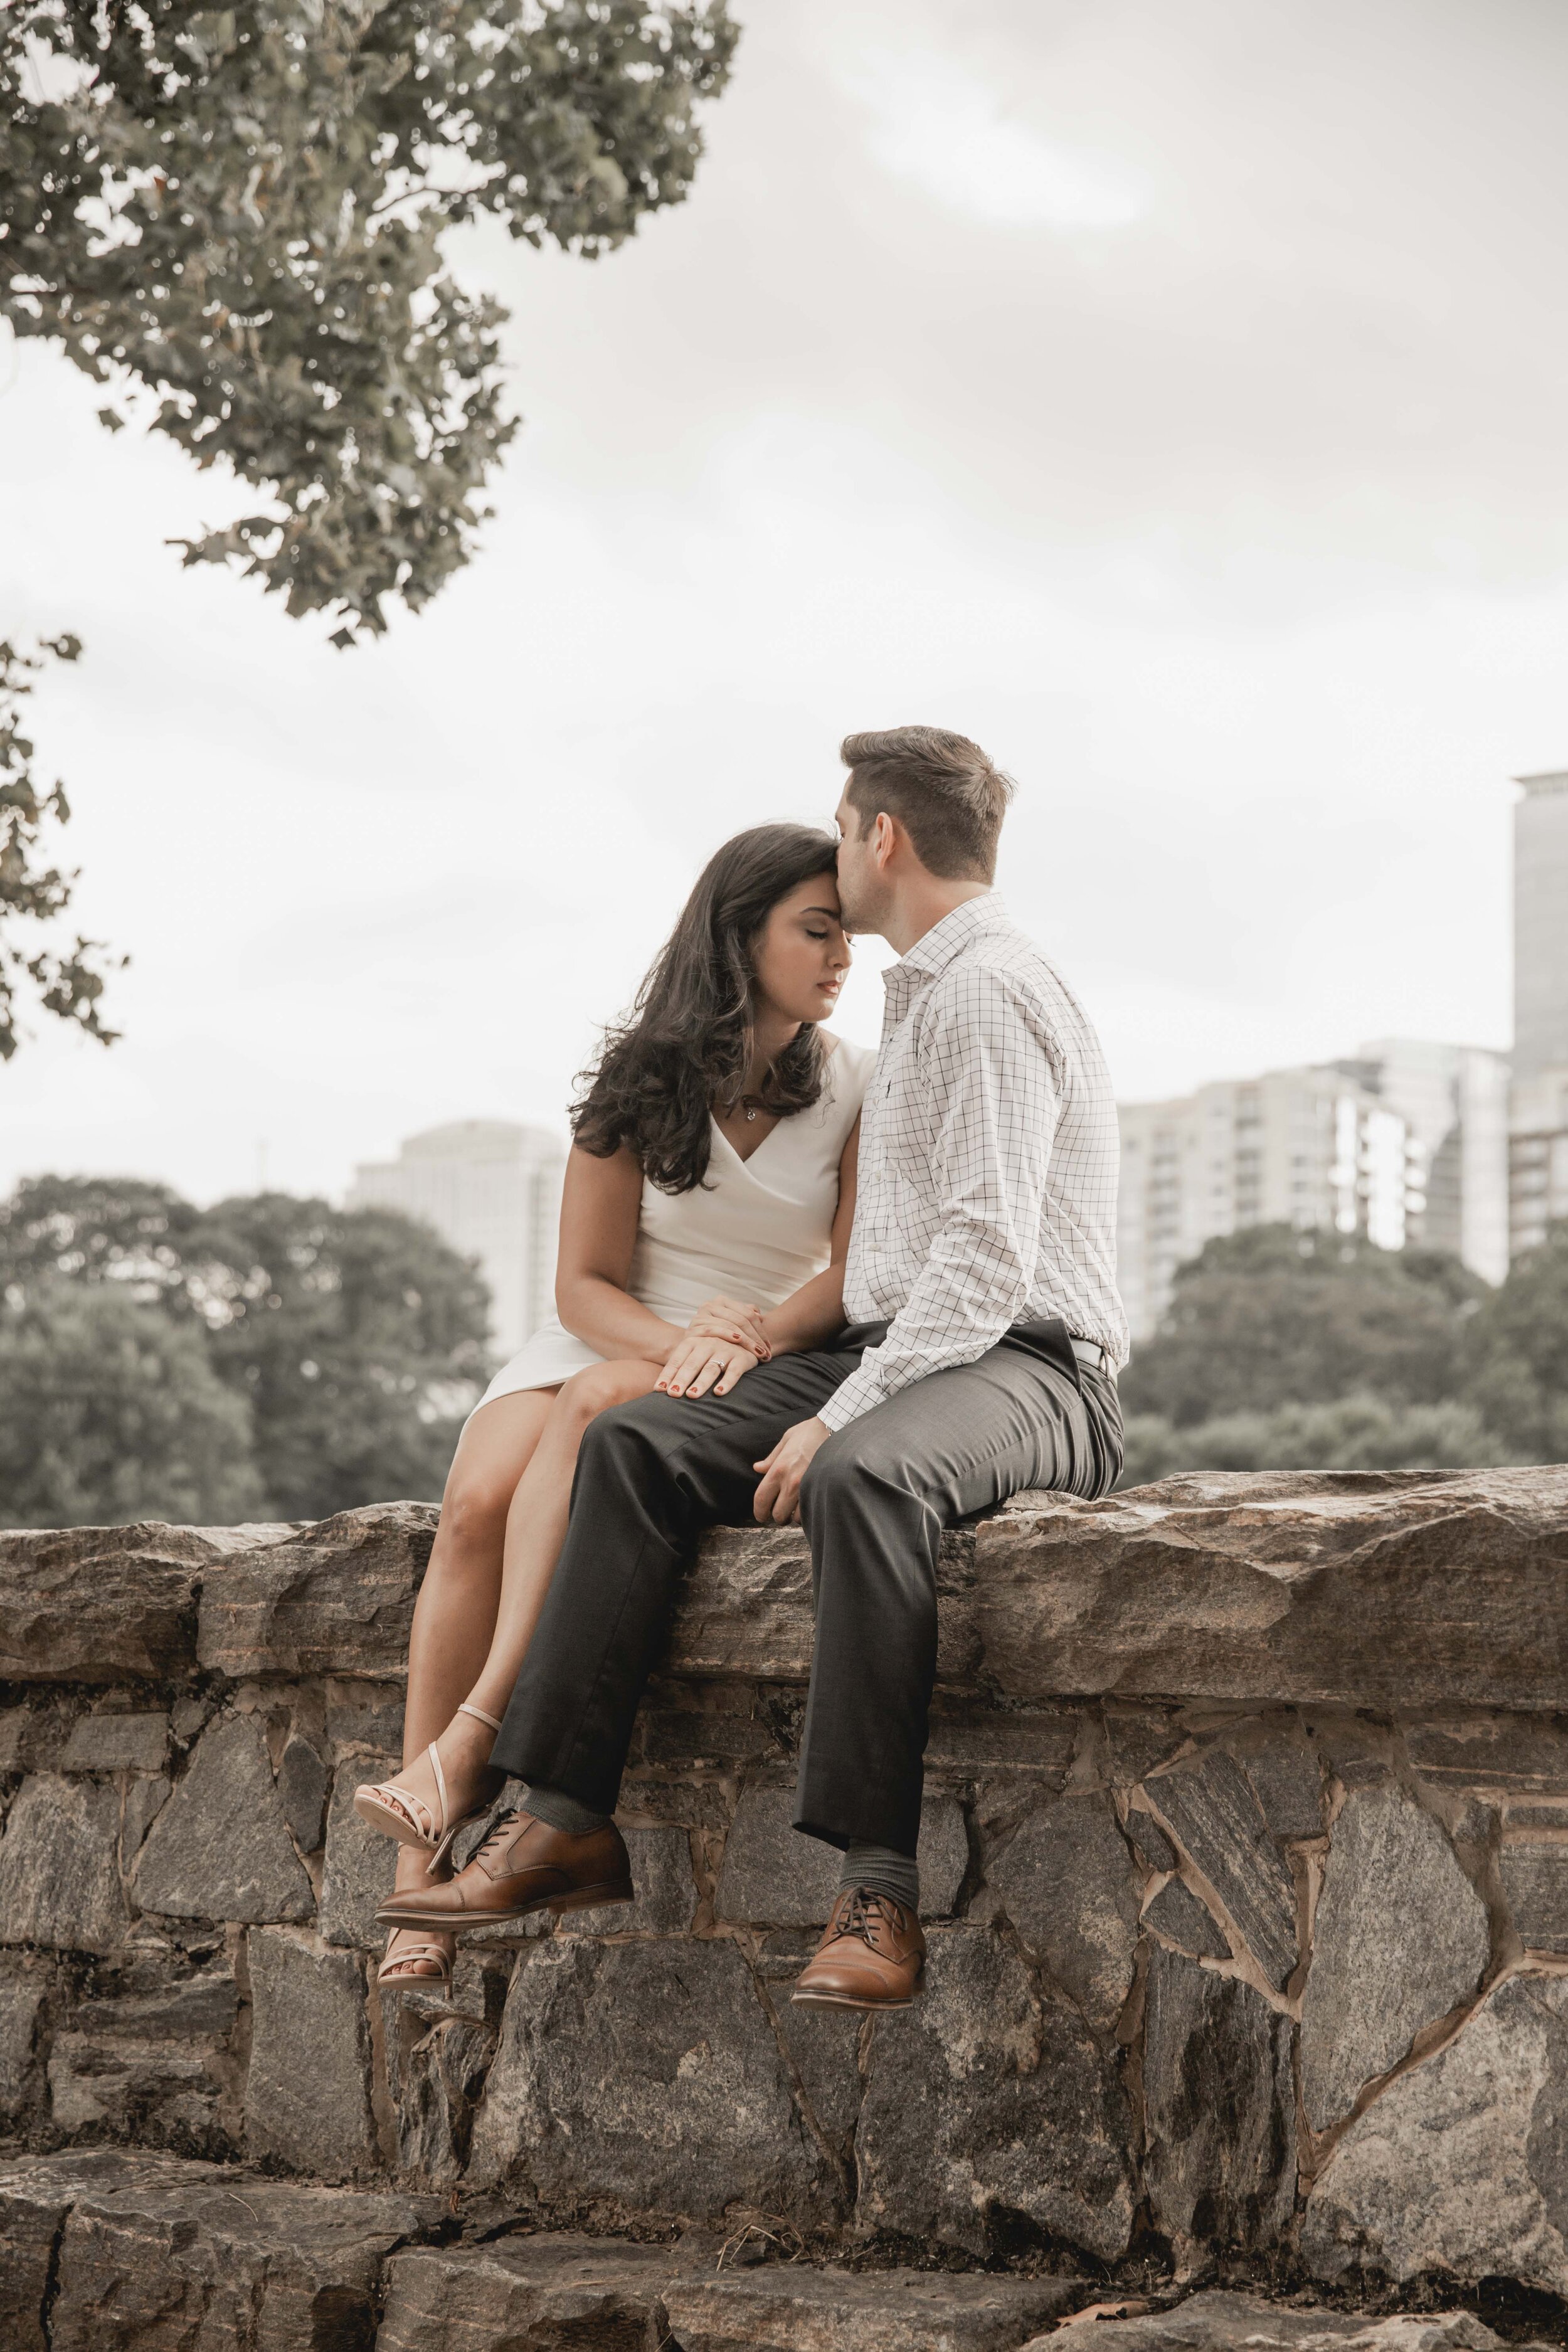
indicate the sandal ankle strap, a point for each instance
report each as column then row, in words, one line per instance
column 466, row 1708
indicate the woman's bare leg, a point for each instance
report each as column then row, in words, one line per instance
column 456, row 1611
column 536, row 1525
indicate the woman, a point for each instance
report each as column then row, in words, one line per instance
column 704, row 1223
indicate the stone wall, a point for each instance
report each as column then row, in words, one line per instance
column 1245, row 1849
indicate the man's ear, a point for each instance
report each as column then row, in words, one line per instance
column 884, row 838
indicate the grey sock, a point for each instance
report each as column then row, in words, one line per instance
column 883, row 1871
column 564, row 1812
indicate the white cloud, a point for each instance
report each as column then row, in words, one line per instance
column 950, row 133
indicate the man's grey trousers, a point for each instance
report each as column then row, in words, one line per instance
column 653, row 1474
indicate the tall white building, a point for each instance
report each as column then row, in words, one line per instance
column 492, row 1190
column 1310, row 1148
column 1538, row 1124
column 1454, row 1100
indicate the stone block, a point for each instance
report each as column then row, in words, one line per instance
column 1384, row 1589
column 1491, row 1752
column 1210, row 1807
column 360, row 1864
column 1535, row 1883
column 1224, row 2322
column 1220, row 2109
column 1289, row 1781
column 1176, row 1913
column 745, row 1609
column 302, row 1789
column 156, row 2254
column 798, row 2307
column 1460, row 2166
column 203, row 2004
column 60, row 1867
column 1153, row 1848
column 666, row 1890
column 1400, row 1939
column 825, row 2044
column 144, row 1801
column 642, row 2077
column 1070, row 1887
column 306, row 2097
column 101, row 1604
column 981, row 2108
column 975, row 1735
column 361, row 1717
column 435, row 2071
column 116, row 1743
column 773, row 1876
column 220, row 1848
column 336, row 1598
column 157, row 2094
column 556, row 2289
column 25, row 1983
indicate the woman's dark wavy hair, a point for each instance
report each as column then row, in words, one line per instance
column 686, row 1047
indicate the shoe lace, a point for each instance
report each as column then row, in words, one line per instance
column 500, row 1829
column 860, row 1915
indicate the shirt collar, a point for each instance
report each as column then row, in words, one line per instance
column 935, row 949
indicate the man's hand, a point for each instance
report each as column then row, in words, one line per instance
column 778, row 1495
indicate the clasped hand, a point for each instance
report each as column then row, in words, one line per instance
column 723, row 1340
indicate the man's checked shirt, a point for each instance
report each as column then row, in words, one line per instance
column 988, row 1161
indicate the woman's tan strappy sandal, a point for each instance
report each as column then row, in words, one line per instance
column 399, row 1813
column 389, row 1978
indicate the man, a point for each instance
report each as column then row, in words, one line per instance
column 986, row 1334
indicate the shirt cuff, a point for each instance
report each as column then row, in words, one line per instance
column 858, row 1395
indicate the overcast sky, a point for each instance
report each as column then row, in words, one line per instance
column 1170, row 394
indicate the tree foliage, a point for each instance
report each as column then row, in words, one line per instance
column 68, row 980
column 1519, row 1353
column 349, row 1340
column 110, row 1411
column 1272, row 1316
column 231, row 218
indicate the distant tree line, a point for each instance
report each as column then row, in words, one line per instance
column 267, row 1358
column 1314, row 1350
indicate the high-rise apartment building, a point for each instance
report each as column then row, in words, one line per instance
column 1454, row 1100
column 1538, row 1123
column 1310, row 1148
column 492, row 1190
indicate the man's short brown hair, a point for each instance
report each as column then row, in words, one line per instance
column 942, row 789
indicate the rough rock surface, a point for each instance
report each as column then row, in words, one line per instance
column 1535, row 1883
column 1068, row 1882
column 307, row 2098
column 1384, row 1964
column 644, row 2076
column 154, row 2255
column 59, row 1877
column 1212, row 1808
column 789, row 2308
column 983, row 2105
column 100, row 1604
column 220, row 1848
column 559, row 2289
column 336, row 1598
column 1218, row 2322
column 1220, row 2107
column 23, row 1989
column 1176, row 1913
column 1393, row 1589
column 360, row 1864
column 303, row 1777
column 1461, row 2165
column 116, row 1743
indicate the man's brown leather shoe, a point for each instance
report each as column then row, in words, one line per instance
column 872, row 1957
column 523, row 1866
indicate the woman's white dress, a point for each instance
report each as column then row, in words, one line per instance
column 754, row 1229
